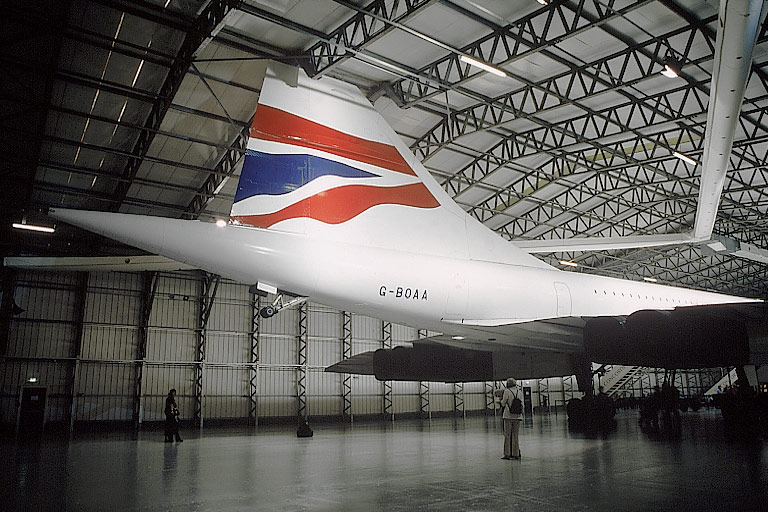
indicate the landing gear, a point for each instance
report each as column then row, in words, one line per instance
column 590, row 413
column 279, row 305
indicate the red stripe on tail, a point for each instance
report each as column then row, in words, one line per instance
column 341, row 204
column 276, row 125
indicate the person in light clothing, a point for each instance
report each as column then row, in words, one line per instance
column 512, row 420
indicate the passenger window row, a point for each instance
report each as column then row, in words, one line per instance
column 647, row 297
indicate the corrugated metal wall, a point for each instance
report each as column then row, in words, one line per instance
column 80, row 337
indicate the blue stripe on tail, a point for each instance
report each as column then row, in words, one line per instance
column 268, row 174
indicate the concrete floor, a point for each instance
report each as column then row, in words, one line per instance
column 441, row 465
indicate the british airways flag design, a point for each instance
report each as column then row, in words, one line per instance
column 297, row 168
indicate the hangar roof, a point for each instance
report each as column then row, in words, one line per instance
column 143, row 107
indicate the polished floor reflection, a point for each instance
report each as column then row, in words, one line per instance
column 441, row 465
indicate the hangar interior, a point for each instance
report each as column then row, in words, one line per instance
column 144, row 107
column 549, row 121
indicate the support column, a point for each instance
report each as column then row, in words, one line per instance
column 543, row 388
column 458, row 399
column 253, row 409
column 208, row 287
column 386, row 336
column 81, row 291
column 425, row 410
column 301, row 378
column 6, row 313
column 490, row 399
column 567, row 387
column 148, row 289
column 6, row 308
column 346, row 353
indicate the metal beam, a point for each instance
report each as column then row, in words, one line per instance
column 386, row 343
column 346, row 353
column 224, row 169
column 302, row 369
column 209, row 285
column 367, row 25
column 204, row 25
column 149, row 282
column 425, row 411
column 253, row 408
column 81, row 292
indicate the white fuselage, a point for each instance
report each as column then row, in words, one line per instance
column 458, row 296
column 449, row 295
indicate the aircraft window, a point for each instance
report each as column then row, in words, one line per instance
column 622, row 294
column 614, row 293
column 630, row 295
column 605, row 292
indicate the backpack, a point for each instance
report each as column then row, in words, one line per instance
column 515, row 406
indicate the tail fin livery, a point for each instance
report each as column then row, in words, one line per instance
column 321, row 161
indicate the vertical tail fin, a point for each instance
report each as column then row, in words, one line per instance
column 323, row 162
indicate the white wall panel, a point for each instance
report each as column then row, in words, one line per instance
column 366, row 328
column 324, row 394
column 104, row 392
column 323, row 352
column 34, row 339
column 278, row 349
column 106, row 342
column 112, row 307
column 226, row 392
column 228, row 348
column 171, row 345
column 175, row 312
column 230, row 317
column 277, row 392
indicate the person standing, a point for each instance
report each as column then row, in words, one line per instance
column 512, row 418
column 172, row 418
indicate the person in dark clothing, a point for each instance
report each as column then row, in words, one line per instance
column 171, row 418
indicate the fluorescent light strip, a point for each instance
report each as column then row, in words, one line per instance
column 569, row 263
column 649, row 279
column 32, row 227
column 685, row 158
column 482, row 65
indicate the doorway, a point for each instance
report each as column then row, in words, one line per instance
column 31, row 413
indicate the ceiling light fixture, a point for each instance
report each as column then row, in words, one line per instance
column 482, row 65
column 221, row 223
column 685, row 158
column 32, row 227
column 457, row 338
column 649, row 279
column 542, row 2
column 671, row 68
column 569, row 263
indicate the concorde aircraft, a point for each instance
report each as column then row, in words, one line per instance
column 333, row 207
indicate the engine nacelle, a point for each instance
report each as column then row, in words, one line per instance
column 433, row 363
column 683, row 338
